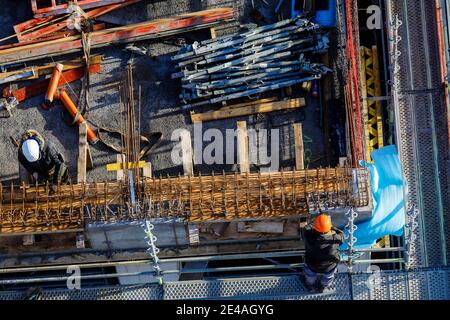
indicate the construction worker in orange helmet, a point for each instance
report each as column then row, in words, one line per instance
column 322, row 242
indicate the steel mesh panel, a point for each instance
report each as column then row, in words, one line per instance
column 398, row 286
column 11, row 295
column 360, row 290
column 418, row 286
column 264, row 287
column 150, row 292
column 428, row 173
column 380, row 291
column 419, row 51
column 438, row 284
column 229, row 288
column 410, row 168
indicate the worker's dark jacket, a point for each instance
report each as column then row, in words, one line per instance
column 322, row 253
column 50, row 166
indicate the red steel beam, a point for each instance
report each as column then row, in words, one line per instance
column 40, row 87
column 52, row 36
column 62, row 8
column 21, row 27
column 141, row 31
column 24, row 36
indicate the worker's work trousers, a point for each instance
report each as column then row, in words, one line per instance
column 311, row 277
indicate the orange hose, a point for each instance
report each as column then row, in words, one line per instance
column 72, row 109
column 54, row 82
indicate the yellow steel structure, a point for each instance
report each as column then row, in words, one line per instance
column 373, row 122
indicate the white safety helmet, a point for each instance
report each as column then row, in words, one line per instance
column 31, row 150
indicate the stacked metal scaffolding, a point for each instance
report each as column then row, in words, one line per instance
column 250, row 63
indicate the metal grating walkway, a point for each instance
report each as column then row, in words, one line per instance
column 421, row 126
column 425, row 284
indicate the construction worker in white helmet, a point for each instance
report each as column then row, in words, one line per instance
column 42, row 160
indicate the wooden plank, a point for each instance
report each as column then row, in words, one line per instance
column 147, row 170
column 242, row 147
column 234, row 112
column 119, row 173
column 299, row 149
column 121, row 165
column 250, row 103
column 82, row 152
column 187, row 153
column 19, row 76
column 213, row 33
column 89, row 160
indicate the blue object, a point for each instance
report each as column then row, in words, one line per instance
column 388, row 201
column 325, row 14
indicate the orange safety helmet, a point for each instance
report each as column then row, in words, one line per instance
column 322, row 223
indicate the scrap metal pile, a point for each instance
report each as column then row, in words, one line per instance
column 198, row 198
column 250, row 63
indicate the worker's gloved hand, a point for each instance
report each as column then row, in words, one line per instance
column 53, row 188
column 35, row 177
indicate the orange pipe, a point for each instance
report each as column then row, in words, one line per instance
column 72, row 109
column 54, row 83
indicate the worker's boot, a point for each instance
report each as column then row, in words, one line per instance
column 308, row 286
column 320, row 287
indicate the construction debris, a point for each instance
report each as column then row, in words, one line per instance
column 34, row 72
column 57, row 9
column 41, row 87
column 250, row 63
column 130, row 33
column 7, row 105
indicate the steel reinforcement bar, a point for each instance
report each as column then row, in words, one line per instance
column 198, row 199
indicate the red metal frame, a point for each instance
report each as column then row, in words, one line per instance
column 117, row 35
column 49, row 30
column 56, row 9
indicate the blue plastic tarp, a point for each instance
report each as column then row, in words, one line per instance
column 388, row 195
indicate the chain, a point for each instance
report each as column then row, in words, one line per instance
column 351, row 227
column 396, row 53
column 152, row 250
column 411, row 214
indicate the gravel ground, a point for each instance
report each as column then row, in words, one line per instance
column 160, row 102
